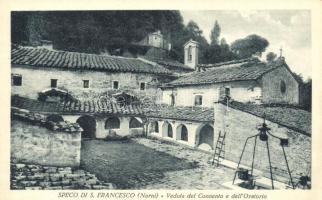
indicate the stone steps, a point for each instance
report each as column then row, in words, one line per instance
column 38, row 177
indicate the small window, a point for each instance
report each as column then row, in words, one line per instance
column 172, row 99
column 115, row 85
column 227, row 92
column 198, row 100
column 283, row 87
column 142, row 86
column 16, row 80
column 85, row 83
column 189, row 53
column 53, row 83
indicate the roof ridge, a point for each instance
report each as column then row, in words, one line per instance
column 92, row 61
column 228, row 62
column 224, row 74
column 76, row 52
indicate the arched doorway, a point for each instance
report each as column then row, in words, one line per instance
column 112, row 123
column 205, row 136
column 154, row 127
column 182, row 132
column 167, row 130
column 135, row 123
column 88, row 124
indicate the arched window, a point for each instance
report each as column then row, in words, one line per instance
column 135, row 123
column 184, row 133
column 283, row 87
column 155, row 127
column 170, row 132
column 112, row 123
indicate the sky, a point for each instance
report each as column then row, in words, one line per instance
column 286, row 29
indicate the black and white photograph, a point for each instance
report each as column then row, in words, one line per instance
column 161, row 100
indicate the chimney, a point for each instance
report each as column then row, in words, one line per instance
column 191, row 49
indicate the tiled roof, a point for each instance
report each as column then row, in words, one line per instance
column 225, row 73
column 75, row 107
column 293, row 118
column 170, row 64
column 41, row 57
column 103, row 107
column 232, row 63
column 186, row 113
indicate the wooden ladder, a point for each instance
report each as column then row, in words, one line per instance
column 220, row 149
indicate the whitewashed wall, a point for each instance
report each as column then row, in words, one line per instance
column 242, row 91
column 156, row 40
column 35, row 80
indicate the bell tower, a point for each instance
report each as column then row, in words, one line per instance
column 191, row 49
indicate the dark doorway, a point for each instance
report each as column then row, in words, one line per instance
column 88, row 124
column 135, row 123
column 184, row 133
column 206, row 135
column 155, row 127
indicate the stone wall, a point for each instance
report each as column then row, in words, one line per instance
column 37, row 79
column 34, row 140
column 38, row 177
column 240, row 125
column 272, row 87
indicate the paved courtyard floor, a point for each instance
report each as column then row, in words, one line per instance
column 152, row 164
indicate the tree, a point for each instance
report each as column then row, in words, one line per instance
column 114, row 31
column 215, row 33
column 19, row 33
column 271, row 56
column 251, row 45
column 193, row 29
column 223, row 42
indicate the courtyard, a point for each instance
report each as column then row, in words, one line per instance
column 141, row 163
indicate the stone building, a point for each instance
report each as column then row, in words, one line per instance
column 191, row 50
column 156, row 39
column 247, row 80
column 183, row 112
column 84, row 76
column 98, row 118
